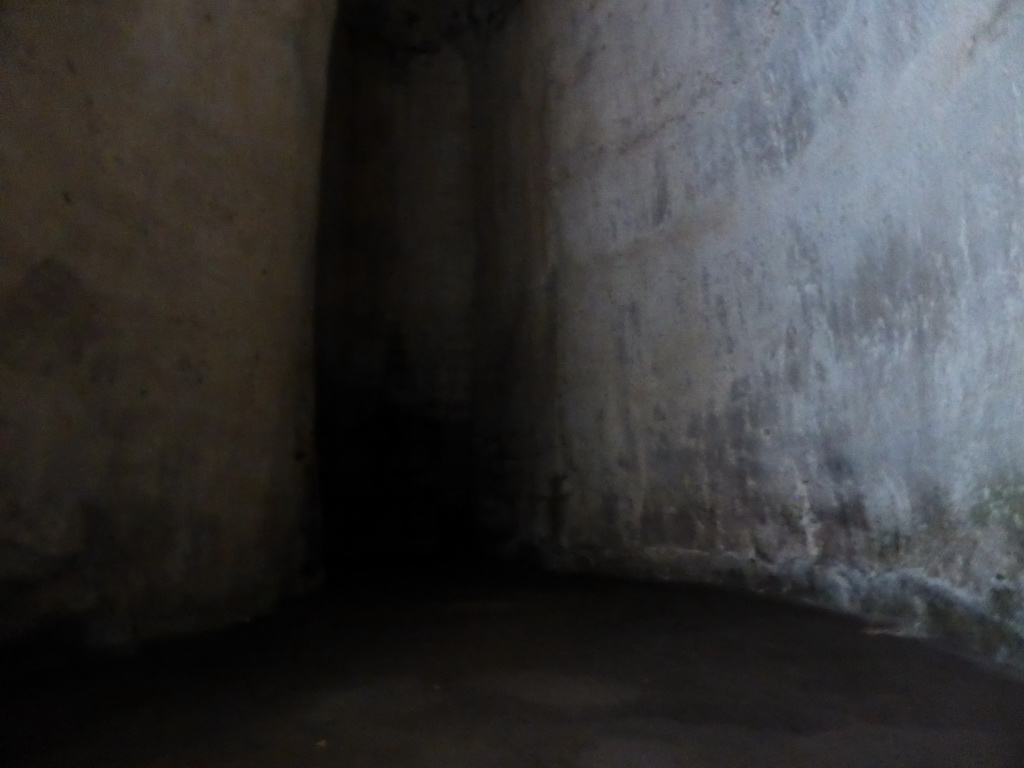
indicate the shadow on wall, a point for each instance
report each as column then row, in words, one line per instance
column 395, row 284
column 155, row 396
column 401, row 29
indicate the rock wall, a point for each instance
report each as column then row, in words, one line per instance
column 780, row 246
column 158, row 181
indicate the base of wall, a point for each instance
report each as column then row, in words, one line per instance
column 102, row 630
column 904, row 603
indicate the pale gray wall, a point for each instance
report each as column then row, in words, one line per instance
column 782, row 244
column 158, row 180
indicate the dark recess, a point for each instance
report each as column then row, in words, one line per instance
column 396, row 468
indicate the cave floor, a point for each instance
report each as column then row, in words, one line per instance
column 562, row 673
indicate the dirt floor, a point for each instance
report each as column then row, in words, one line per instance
column 563, row 673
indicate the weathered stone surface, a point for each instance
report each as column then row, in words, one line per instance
column 158, row 170
column 779, row 245
column 716, row 290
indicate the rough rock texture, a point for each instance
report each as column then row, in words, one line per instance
column 158, row 171
column 780, row 248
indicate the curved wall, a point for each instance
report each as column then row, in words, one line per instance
column 782, row 246
column 158, row 180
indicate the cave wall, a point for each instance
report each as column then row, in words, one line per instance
column 701, row 290
column 158, row 183
column 781, row 247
